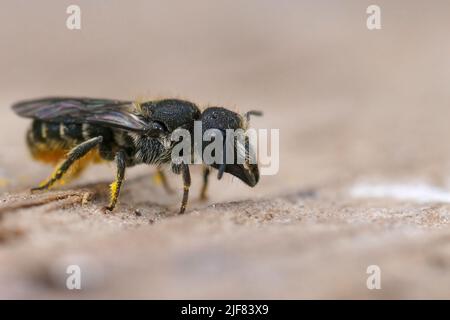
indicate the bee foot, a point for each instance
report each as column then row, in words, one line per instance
column 107, row 209
column 37, row 189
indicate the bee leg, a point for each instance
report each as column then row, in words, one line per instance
column 161, row 176
column 120, row 174
column 186, row 184
column 203, row 195
column 75, row 154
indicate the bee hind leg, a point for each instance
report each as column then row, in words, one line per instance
column 75, row 154
column 117, row 184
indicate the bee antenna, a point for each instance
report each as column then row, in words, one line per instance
column 252, row 113
column 221, row 171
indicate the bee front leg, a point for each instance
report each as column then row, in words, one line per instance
column 116, row 185
column 203, row 195
column 186, row 184
column 75, row 154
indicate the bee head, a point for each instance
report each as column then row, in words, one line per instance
column 225, row 122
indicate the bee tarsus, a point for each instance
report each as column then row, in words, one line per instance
column 120, row 175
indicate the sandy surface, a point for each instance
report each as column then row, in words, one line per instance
column 354, row 107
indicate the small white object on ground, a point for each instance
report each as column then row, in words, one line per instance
column 417, row 192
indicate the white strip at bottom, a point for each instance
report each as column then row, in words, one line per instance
column 417, row 192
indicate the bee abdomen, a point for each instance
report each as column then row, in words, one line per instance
column 63, row 133
column 50, row 141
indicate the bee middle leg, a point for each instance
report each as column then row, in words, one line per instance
column 161, row 176
column 75, row 154
column 120, row 175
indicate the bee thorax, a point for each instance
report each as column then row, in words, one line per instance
column 151, row 150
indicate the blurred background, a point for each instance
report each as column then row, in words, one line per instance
column 351, row 104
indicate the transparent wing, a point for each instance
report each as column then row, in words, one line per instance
column 110, row 113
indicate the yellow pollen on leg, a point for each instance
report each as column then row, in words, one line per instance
column 114, row 188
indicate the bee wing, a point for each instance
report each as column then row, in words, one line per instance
column 110, row 113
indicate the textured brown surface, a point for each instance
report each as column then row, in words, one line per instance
column 351, row 105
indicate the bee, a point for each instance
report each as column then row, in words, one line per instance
column 71, row 133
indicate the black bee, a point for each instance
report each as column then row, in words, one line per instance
column 72, row 132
